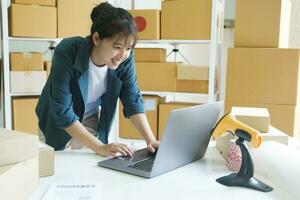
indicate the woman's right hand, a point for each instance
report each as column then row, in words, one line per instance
column 114, row 149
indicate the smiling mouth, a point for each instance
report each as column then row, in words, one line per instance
column 115, row 62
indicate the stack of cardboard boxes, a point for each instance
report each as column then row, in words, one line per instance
column 40, row 19
column 27, row 76
column 155, row 74
column 23, row 160
column 50, row 18
column 261, row 71
column 19, row 167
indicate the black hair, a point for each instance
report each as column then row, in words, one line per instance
column 110, row 21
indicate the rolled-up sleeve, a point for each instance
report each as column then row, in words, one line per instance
column 60, row 95
column 130, row 95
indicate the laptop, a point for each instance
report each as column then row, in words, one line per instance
column 185, row 140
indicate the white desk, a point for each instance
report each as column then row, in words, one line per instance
column 193, row 181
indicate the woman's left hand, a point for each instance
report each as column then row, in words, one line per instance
column 153, row 146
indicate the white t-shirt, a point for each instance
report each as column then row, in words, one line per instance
column 97, row 87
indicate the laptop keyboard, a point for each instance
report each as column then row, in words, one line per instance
column 144, row 165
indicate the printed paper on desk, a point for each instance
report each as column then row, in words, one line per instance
column 71, row 191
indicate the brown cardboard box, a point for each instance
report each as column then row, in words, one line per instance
column 148, row 23
column 19, row 180
column 47, row 67
column 192, row 86
column 164, row 111
column 46, row 160
column 32, row 21
column 74, row 17
column 16, row 146
column 189, row 72
column 150, row 55
column 262, row 23
column 26, row 61
column 37, row 2
column 284, row 117
column 186, row 20
column 265, row 75
column 156, row 76
column 257, row 118
column 127, row 130
column 24, row 117
column 27, row 81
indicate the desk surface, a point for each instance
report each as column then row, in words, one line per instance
column 192, row 181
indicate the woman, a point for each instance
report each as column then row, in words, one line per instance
column 88, row 75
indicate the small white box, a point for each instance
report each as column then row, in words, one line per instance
column 27, row 81
column 257, row 118
column 16, row 146
column 46, row 160
column 19, row 180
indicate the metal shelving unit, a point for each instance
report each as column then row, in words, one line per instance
column 214, row 60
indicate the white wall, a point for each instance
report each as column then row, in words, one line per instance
column 295, row 25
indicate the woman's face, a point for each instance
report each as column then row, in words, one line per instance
column 111, row 51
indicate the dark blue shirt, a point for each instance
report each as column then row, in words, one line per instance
column 63, row 98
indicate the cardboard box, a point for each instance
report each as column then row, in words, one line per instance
column 164, row 111
column 186, row 20
column 263, row 75
column 24, row 117
column 46, row 160
column 150, row 55
column 262, row 23
column 189, row 72
column 274, row 134
column 19, row 180
column 156, row 76
column 257, row 118
column 192, row 86
column 37, row 2
column 32, row 21
column 17, row 146
column 47, row 67
column 148, row 23
column 27, row 81
column 284, row 117
column 127, row 130
column 32, row 61
column 74, row 17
